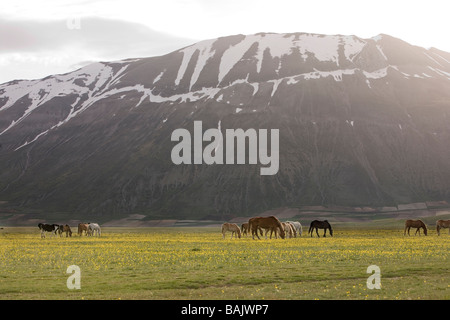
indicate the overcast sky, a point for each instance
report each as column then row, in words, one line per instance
column 39, row 38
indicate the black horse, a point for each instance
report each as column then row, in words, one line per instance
column 53, row 228
column 317, row 224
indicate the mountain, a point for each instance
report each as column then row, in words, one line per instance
column 362, row 122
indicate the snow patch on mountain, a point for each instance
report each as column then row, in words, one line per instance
column 99, row 81
column 324, row 48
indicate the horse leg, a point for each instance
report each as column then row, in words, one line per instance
column 317, row 232
column 254, row 230
column 275, row 231
column 325, row 232
column 417, row 230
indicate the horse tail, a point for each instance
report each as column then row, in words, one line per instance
column 249, row 228
column 252, row 228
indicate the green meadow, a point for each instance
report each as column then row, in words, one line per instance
column 197, row 263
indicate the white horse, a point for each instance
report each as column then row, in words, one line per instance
column 297, row 226
column 289, row 229
column 94, row 228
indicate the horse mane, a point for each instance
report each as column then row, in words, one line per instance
column 278, row 222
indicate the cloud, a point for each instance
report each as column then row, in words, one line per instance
column 33, row 49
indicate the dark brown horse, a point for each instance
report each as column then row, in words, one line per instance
column 269, row 223
column 64, row 228
column 317, row 224
column 415, row 224
column 245, row 229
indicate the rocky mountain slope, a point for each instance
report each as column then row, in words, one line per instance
column 361, row 122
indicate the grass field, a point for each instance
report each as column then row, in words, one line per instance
column 189, row 263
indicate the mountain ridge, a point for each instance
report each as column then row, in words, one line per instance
column 97, row 140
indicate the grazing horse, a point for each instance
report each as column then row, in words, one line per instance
column 233, row 228
column 269, row 223
column 415, row 224
column 317, row 224
column 64, row 228
column 94, row 228
column 442, row 224
column 53, row 228
column 289, row 229
column 245, row 228
column 297, row 226
column 83, row 227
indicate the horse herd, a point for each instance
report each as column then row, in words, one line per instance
column 89, row 229
column 271, row 224
column 291, row 229
column 255, row 226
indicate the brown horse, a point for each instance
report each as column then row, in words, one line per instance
column 317, row 224
column 233, row 228
column 442, row 224
column 83, row 227
column 415, row 224
column 269, row 223
column 245, row 228
column 64, row 228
